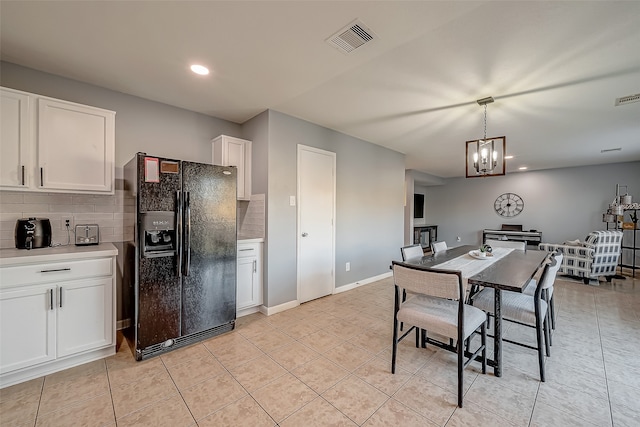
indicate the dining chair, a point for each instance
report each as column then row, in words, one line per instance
column 438, row 246
column 521, row 246
column 409, row 252
column 438, row 305
column 412, row 251
column 548, row 297
column 525, row 309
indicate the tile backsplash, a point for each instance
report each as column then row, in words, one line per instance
column 251, row 217
column 115, row 215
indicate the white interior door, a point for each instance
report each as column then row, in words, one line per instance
column 316, row 222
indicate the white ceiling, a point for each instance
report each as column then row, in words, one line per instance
column 553, row 68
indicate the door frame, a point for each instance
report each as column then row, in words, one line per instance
column 300, row 148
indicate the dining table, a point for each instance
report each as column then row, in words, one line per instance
column 505, row 269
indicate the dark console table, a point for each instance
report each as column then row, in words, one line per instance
column 531, row 237
column 425, row 235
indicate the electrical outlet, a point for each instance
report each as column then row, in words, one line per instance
column 348, row 266
column 63, row 222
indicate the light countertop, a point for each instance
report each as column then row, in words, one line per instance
column 58, row 253
column 254, row 240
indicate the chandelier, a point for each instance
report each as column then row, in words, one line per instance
column 486, row 154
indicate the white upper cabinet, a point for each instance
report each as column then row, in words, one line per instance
column 78, row 136
column 56, row 146
column 15, row 136
column 230, row 151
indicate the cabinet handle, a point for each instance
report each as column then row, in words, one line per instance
column 54, row 270
column 41, row 177
column 51, row 299
column 250, row 249
column 255, row 266
column 60, row 297
column 22, row 174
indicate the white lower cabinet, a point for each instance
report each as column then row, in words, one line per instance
column 249, row 278
column 55, row 315
column 27, row 327
column 84, row 320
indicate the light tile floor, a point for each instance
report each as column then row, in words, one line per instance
column 327, row 363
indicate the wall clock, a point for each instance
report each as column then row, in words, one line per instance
column 508, row 205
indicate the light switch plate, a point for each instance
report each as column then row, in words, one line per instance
column 292, row 200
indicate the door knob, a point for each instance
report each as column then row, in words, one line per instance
column 305, row 234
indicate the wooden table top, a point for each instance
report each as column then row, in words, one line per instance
column 511, row 273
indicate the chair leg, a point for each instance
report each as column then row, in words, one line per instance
column 404, row 298
column 395, row 345
column 484, row 347
column 460, row 347
column 424, row 338
column 547, row 337
column 552, row 306
column 539, row 337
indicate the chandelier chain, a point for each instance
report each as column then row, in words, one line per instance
column 485, row 122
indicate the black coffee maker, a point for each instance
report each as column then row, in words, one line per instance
column 33, row 233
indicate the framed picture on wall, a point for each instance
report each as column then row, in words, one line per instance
column 418, row 205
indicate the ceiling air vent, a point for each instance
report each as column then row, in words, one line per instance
column 628, row 99
column 351, row 37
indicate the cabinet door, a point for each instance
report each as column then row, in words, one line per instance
column 15, row 136
column 230, row 151
column 235, row 153
column 84, row 315
column 27, row 327
column 246, row 283
column 75, row 147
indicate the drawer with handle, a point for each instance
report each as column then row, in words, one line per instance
column 29, row 274
column 247, row 250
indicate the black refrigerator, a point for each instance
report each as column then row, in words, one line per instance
column 180, row 272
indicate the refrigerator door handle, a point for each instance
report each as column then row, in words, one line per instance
column 187, row 233
column 179, row 232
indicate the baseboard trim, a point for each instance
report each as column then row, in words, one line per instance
column 247, row 311
column 123, row 324
column 279, row 308
column 363, row 282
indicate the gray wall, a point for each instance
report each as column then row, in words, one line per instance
column 565, row 204
column 369, row 204
column 141, row 125
column 369, row 177
column 257, row 131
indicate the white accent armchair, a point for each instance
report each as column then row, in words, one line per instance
column 597, row 256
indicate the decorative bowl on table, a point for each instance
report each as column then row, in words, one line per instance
column 480, row 254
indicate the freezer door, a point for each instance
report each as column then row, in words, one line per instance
column 209, row 242
column 158, row 295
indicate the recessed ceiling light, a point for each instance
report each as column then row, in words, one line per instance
column 508, row 157
column 522, row 168
column 200, row 69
